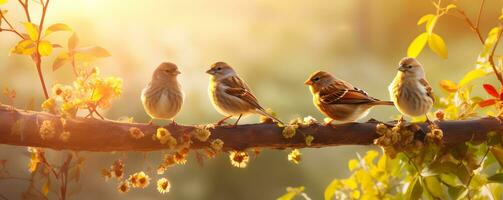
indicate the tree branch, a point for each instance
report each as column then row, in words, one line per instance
column 106, row 136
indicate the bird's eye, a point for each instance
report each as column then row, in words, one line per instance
column 410, row 66
column 219, row 68
column 316, row 79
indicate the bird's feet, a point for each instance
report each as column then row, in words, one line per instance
column 222, row 121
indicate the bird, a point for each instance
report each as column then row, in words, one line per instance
column 338, row 99
column 231, row 96
column 410, row 91
column 163, row 97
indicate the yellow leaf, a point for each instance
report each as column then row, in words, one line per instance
column 44, row 48
column 431, row 24
column 24, row 47
column 3, row 1
column 425, row 18
column 472, row 75
column 437, row 45
column 31, row 30
column 56, row 27
column 448, row 86
column 417, row 45
column 73, row 41
column 60, row 60
column 330, row 190
column 352, row 164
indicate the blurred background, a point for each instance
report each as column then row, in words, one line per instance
column 274, row 46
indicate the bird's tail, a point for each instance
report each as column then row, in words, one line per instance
column 263, row 112
column 386, row 103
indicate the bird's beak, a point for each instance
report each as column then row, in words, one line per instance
column 209, row 71
column 308, row 82
column 401, row 68
column 177, row 72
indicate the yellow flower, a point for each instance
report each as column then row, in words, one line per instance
column 64, row 136
column 201, row 133
column 57, row 89
column 164, row 137
column 294, row 156
column 47, row 130
column 123, row 186
column 105, row 90
column 163, row 185
column 136, row 133
column 290, row 130
column 161, row 169
column 217, row 144
column 239, row 158
column 139, row 180
column 49, row 105
column 37, row 155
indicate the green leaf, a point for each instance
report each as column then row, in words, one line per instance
column 44, row 48
column 95, row 51
column 496, row 178
column 431, row 24
column 56, row 27
column 330, row 190
column 415, row 189
column 60, row 60
column 498, row 154
column 425, row 18
column 458, row 192
column 417, row 45
column 437, row 45
column 433, row 185
column 472, row 75
column 31, row 30
column 73, row 41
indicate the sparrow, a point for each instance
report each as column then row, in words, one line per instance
column 338, row 99
column 230, row 95
column 163, row 97
column 410, row 91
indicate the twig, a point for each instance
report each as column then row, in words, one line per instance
column 491, row 57
column 473, row 174
column 38, row 57
column 10, row 26
column 25, row 8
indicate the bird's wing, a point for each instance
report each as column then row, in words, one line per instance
column 238, row 88
column 429, row 90
column 335, row 94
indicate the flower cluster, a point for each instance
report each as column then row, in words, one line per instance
column 397, row 139
column 47, row 130
column 139, row 180
column 239, row 159
column 164, row 137
column 202, row 133
column 136, row 133
column 89, row 91
column 294, row 156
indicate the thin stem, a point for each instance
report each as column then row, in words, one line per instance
column 473, row 174
column 10, row 26
column 38, row 58
column 470, row 24
column 25, row 8
column 480, row 13
column 491, row 57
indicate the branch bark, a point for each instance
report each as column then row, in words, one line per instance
column 106, row 136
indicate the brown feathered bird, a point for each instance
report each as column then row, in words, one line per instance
column 338, row 99
column 163, row 97
column 230, row 95
column 410, row 91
